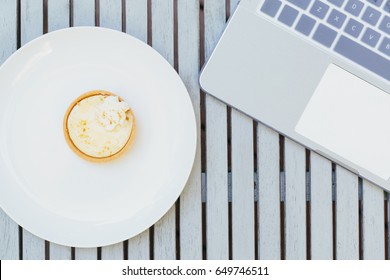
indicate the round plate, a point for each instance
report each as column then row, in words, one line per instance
column 48, row 189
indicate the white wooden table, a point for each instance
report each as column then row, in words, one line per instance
column 252, row 194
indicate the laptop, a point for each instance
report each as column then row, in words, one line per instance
column 317, row 72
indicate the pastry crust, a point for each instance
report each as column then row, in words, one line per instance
column 80, row 153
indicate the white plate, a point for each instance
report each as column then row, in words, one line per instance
column 48, row 189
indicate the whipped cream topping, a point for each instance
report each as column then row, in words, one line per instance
column 112, row 112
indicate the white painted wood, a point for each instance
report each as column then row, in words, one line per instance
column 347, row 215
column 113, row 252
column 137, row 19
column 33, row 247
column 59, row 252
column 243, row 216
column 31, row 18
column 58, row 14
column 295, row 205
column 217, row 224
column 373, row 222
column 321, row 215
column 190, row 199
column 85, row 253
column 137, row 25
column 9, row 230
column 83, row 12
column 269, row 193
column 111, row 14
column 31, row 13
column 162, row 32
column 138, row 246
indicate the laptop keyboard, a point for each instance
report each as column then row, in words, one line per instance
column 358, row 30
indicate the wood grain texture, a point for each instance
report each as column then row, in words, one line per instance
column 31, row 27
column 321, row 215
column 137, row 25
column 190, row 199
column 113, row 252
column 58, row 14
column 83, row 12
column 373, row 222
column 138, row 247
column 217, row 223
column 33, row 247
column 295, row 205
column 137, row 19
column 269, row 193
column 242, row 187
column 31, row 19
column 59, row 252
column 111, row 14
column 347, row 215
column 9, row 230
column 162, row 32
column 85, row 253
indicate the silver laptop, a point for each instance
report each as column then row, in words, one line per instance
column 316, row 71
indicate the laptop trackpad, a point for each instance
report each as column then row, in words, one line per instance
column 351, row 118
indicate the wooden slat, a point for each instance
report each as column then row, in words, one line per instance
column 217, row 223
column 321, row 215
column 162, row 32
column 58, row 17
column 190, row 199
column 113, row 252
column 347, row 215
column 295, row 205
column 373, row 222
column 269, row 193
column 31, row 13
column 137, row 19
column 31, row 17
column 85, row 253
column 9, row 241
column 137, row 25
column 59, row 252
column 33, row 247
column 83, row 12
column 58, row 14
column 138, row 247
column 243, row 239
column 111, row 14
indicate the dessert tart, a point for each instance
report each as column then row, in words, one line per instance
column 99, row 126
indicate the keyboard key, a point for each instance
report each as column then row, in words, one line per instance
column 385, row 25
column 376, row 2
column 353, row 28
column 305, row 25
column 354, row 7
column 271, row 7
column 336, row 18
column 363, row 56
column 288, row 15
column 303, row 4
column 385, row 46
column 371, row 16
column 338, row 3
column 325, row 35
column 371, row 37
column 319, row 9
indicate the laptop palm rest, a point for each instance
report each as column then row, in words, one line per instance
column 350, row 117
